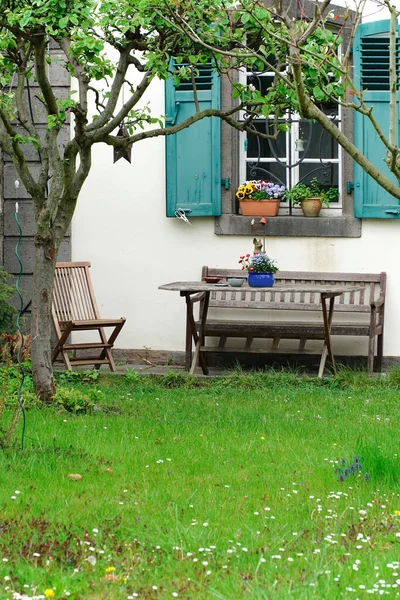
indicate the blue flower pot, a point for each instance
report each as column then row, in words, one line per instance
column 260, row 279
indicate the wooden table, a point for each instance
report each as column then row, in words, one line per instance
column 188, row 288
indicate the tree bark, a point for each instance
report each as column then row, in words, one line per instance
column 42, row 294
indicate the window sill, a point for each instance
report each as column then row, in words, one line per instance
column 345, row 226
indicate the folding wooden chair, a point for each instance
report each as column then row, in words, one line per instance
column 74, row 309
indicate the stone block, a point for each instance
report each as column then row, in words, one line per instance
column 57, row 73
column 26, row 252
column 29, row 150
column 25, row 287
column 25, row 217
column 10, row 176
column 35, row 109
column 295, row 226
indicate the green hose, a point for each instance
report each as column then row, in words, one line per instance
column 20, row 311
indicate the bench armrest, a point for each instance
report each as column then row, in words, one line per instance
column 378, row 302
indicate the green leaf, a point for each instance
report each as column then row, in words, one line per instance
column 318, row 93
column 25, row 19
column 265, row 110
column 63, row 22
column 34, row 141
column 236, row 93
column 260, row 13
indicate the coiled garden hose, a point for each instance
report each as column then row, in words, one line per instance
column 20, row 311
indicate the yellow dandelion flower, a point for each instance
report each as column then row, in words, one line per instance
column 397, row 512
column 49, row 593
column 110, row 569
column 262, row 438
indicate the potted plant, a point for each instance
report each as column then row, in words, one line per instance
column 260, row 268
column 311, row 197
column 260, row 198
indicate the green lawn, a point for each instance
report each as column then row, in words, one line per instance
column 219, row 489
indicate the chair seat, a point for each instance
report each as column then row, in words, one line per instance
column 91, row 324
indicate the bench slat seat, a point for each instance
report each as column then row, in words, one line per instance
column 286, row 329
column 357, row 313
column 244, row 350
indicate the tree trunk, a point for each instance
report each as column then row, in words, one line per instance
column 42, row 293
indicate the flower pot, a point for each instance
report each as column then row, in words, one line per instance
column 311, row 207
column 260, row 208
column 260, row 279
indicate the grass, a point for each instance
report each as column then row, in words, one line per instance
column 202, row 489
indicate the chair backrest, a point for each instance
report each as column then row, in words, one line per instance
column 73, row 296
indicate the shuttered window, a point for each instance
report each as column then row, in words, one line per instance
column 371, row 70
column 375, row 62
column 193, row 155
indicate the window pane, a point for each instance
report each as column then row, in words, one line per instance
column 260, row 82
column 272, row 171
column 282, row 160
column 327, row 174
column 316, row 141
column 262, row 148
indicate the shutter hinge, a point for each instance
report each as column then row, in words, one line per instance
column 349, row 187
column 396, row 213
column 172, row 120
column 226, row 183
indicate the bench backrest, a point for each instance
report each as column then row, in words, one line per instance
column 373, row 286
column 73, row 296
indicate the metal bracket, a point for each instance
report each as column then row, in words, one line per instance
column 172, row 120
column 226, row 183
column 396, row 213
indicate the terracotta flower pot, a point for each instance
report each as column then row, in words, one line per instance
column 260, row 208
column 311, row 207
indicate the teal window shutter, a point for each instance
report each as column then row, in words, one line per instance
column 371, row 72
column 193, row 155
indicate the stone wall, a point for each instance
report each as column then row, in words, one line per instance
column 12, row 192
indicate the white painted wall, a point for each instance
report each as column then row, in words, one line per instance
column 120, row 226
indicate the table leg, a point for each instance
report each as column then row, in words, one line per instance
column 189, row 339
column 327, row 349
column 198, row 339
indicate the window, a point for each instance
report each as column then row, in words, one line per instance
column 240, row 159
column 303, row 152
column 198, row 173
column 338, row 221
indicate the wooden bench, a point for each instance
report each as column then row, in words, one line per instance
column 358, row 313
